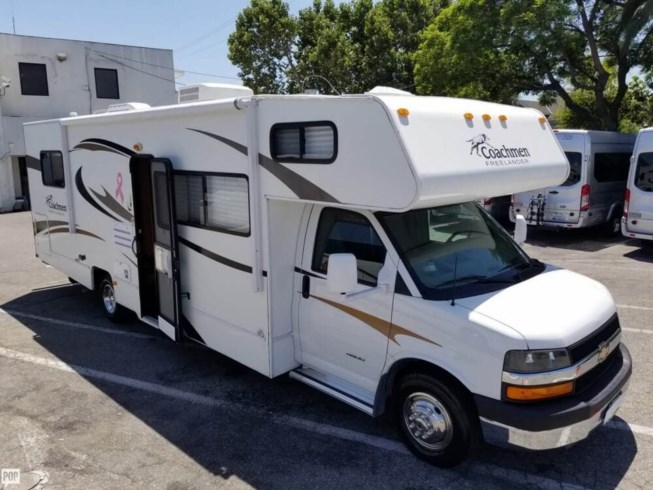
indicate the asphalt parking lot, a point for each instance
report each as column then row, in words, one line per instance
column 87, row 404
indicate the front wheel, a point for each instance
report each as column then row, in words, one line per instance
column 112, row 310
column 435, row 421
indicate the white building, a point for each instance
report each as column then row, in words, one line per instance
column 43, row 78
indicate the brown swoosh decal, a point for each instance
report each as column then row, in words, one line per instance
column 113, row 205
column 78, row 231
column 43, row 225
column 380, row 325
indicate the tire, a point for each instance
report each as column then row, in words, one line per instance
column 112, row 310
column 612, row 227
column 435, row 421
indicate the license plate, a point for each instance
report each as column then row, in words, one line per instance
column 556, row 217
column 612, row 408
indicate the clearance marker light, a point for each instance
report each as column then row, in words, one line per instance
column 486, row 117
column 137, row 147
column 403, row 112
column 503, row 118
column 469, row 116
column 542, row 120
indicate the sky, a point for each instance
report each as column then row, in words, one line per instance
column 196, row 30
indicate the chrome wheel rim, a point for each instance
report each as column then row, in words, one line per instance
column 428, row 422
column 616, row 226
column 109, row 299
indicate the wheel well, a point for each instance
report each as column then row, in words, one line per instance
column 97, row 275
column 404, row 367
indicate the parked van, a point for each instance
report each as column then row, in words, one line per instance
column 498, row 207
column 637, row 220
column 335, row 239
column 592, row 195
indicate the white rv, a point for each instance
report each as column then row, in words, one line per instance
column 593, row 193
column 336, row 239
column 637, row 221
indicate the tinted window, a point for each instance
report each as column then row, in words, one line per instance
column 575, row 167
column 161, row 200
column 106, row 83
column 33, row 79
column 341, row 231
column 216, row 202
column 308, row 142
column 611, row 167
column 52, row 169
column 644, row 172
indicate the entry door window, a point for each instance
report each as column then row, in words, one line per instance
column 342, row 231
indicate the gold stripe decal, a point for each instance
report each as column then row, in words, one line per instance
column 380, row 325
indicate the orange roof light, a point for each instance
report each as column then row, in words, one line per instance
column 542, row 120
column 137, row 147
column 403, row 112
column 503, row 118
column 486, row 117
column 469, row 116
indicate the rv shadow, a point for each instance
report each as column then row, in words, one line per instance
column 642, row 254
column 583, row 240
column 246, row 433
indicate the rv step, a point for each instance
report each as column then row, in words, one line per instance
column 337, row 388
column 151, row 321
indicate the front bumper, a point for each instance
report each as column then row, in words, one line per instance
column 556, row 423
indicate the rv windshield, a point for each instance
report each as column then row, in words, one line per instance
column 457, row 250
column 575, row 160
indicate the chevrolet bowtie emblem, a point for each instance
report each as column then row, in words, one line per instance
column 604, row 350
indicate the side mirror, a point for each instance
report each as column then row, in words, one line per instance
column 342, row 273
column 521, row 229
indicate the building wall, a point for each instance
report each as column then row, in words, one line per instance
column 144, row 75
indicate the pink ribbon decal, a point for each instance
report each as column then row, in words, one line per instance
column 119, row 193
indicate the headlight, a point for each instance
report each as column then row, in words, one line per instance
column 535, row 361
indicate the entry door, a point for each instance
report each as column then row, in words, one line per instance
column 340, row 336
column 166, row 253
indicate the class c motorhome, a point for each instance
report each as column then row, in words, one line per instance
column 637, row 221
column 593, row 193
column 336, row 239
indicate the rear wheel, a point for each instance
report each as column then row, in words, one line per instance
column 612, row 227
column 112, row 310
column 435, row 420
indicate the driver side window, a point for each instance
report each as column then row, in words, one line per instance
column 342, row 231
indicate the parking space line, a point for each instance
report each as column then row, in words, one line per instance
column 484, row 470
column 636, row 330
column 67, row 323
column 631, row 307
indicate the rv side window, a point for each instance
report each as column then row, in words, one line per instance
column 341, row 231
column 611, row 167
column 644, row 172
column 52, row 169
column 575, row 164
column 304, row 142
column 217, row 202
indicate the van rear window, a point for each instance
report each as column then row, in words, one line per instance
column 575, row 164
column 644, row 172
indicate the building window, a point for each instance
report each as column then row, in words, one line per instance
column 304, row 142
column 52, row 169
column 217, row 202
column 106, row 83
column 33, row 79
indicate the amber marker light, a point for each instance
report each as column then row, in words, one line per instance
column 528, row 393
column 486, row 117
column 542, row 120
column 469, row 116
column 403, row 112
column 137, row 147
column 503, row 118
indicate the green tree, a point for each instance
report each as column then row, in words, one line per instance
column 494, row 50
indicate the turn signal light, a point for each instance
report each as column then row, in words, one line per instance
column 528, row 393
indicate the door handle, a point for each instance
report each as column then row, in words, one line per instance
column 306, row 286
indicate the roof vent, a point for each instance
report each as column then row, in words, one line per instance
column 125, row 106
column 380, row 90
column 212, row 91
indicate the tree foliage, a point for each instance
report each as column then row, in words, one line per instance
column 350, row 47
column 495, row 50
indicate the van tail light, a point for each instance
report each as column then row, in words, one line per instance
column 626, row 202
column 487, row 201
column 585, row 198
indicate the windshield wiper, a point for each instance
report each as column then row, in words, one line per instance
column 477, row 280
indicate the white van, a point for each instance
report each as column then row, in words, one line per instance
column 336, row 239
column 592, row 195
column 637, row 220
